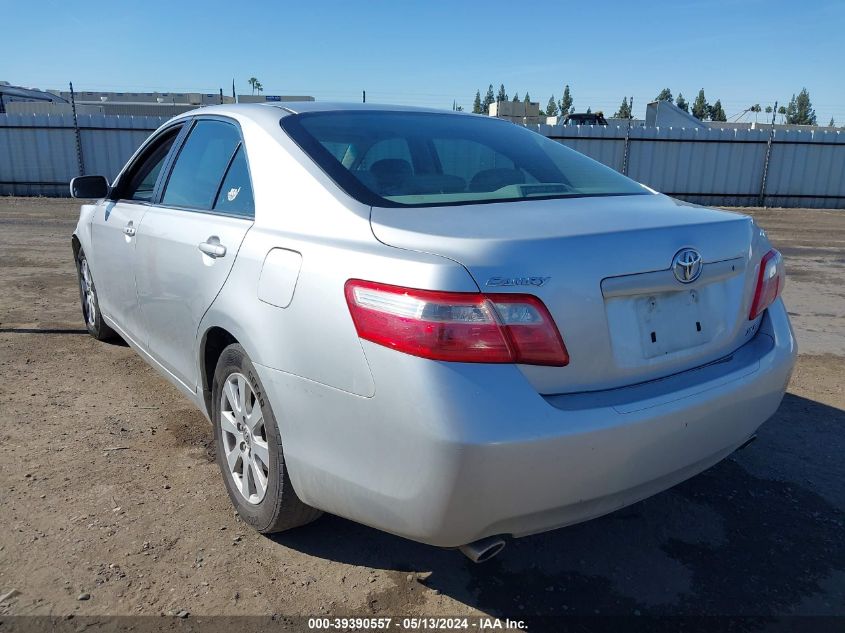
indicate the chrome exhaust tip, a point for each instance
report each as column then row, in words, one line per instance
column 482, row 550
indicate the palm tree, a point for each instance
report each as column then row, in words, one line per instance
column 259, row 87
column 252, row 81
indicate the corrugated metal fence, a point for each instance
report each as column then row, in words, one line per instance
column 721, row 166
column 39, row 156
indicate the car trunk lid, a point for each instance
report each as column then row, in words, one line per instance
column 603, row 267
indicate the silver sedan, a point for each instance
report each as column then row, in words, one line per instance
column 440, row 325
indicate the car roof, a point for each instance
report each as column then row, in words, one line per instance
column 295, row 107
column 260, row 111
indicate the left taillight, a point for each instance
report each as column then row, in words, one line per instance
column 468, row 327
column 770, row 282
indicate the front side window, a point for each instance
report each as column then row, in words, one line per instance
column 412, row 159
column 142, row 175
column 201, row 164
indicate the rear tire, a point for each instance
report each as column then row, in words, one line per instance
column 90, row 305
column 249, row 448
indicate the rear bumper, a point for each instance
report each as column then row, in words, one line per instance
column 449, row 453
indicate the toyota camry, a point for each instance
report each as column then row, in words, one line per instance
column 441, row 325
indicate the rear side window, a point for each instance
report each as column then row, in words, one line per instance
column 417, row 159
column 235, row 196
column 201, row 164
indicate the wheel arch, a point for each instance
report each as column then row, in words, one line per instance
column 214, row 341
column 217, row 329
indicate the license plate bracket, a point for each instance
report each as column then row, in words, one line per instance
column 672, row 321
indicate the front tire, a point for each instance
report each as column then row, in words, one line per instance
column 88, row 298
column 249, row 448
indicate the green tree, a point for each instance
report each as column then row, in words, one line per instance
column 589, row 110
column 791, row 108
column 476, row 104
column 489, row 98
column 527, row 99
column 624, row 111
column 502, row 95
column 566, row 102
column 768, row 109
column 551, row 108
column 717, row 113
column 515, row 97
column 682, row 103
column 782, row 113
column 832, row 123
column 800, row 110
column 805, row 108
column 700, row 107
column 665, row 95
column 252, row 81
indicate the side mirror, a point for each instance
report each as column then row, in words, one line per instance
column 89, row 187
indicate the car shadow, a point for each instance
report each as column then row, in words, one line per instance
column 752, row 537
column 116, row 340
column 17, row 330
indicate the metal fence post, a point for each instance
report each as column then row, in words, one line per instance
column 627, row 139
column 762, row 201
column 80, row 161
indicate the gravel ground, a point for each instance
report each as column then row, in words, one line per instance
column 111, row 502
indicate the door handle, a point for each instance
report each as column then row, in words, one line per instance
column 213, row 249
column 129, row 230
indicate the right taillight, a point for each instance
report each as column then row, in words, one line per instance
column 770, row 283
column 468, row 327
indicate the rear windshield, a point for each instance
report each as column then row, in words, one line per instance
column 398, row 159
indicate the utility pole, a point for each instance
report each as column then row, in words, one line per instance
column 364, row 96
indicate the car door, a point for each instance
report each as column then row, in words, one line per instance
column 188, row 241
column 114, row 229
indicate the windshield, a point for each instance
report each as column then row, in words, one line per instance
column 389, row 158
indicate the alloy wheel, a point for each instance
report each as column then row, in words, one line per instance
column 244, row 438
column 89, row 305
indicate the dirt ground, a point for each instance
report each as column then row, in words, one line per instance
column 111, row 503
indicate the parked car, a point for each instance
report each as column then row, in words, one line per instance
column 585, row 118
column 441, row 325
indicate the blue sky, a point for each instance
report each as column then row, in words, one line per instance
column 432, row 52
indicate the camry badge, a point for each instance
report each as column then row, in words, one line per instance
column 687, row 265
column 517, row 281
